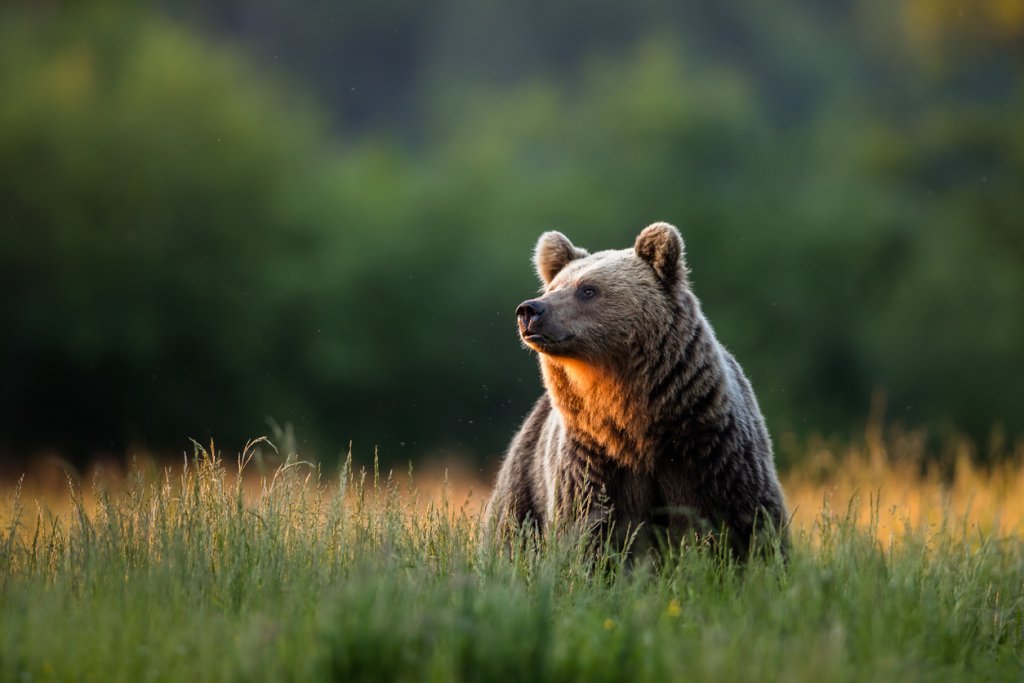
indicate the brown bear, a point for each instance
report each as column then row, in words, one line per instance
column 647, row 421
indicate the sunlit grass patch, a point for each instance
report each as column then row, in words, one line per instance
column 894, row 481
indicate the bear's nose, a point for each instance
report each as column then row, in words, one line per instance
column 529, row 311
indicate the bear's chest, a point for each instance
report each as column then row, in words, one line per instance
column 602, row 481
column 633, row 497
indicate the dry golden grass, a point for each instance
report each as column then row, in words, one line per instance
column 895, row 476
column 898, row 477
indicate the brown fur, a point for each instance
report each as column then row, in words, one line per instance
column 644, row 409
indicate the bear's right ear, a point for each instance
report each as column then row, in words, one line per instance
column 553, row 253
column 661, row 246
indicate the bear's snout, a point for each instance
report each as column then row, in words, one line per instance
column 529, row 314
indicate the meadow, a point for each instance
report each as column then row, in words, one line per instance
column 324, row 212
column 240, row 569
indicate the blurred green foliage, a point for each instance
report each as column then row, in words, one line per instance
column 189, row 243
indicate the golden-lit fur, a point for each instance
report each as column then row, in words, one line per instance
column 644, row 410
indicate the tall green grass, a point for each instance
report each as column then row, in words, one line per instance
column 195, row 577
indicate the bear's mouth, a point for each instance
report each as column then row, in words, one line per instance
column 541, row 342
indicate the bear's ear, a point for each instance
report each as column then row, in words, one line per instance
column 554, row 251
column 661, row 246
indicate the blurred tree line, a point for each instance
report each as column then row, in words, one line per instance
column 323, row 213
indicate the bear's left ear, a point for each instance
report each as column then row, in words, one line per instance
column 661, row 246
column 553, row 253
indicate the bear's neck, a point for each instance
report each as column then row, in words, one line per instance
column 601, row 410
column 632, row 414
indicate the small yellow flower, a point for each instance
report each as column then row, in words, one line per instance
column 674, row 609
column 609, row 624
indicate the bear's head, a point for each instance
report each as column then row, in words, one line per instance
column 604, row 308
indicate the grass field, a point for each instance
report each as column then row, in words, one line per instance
column 898, row 573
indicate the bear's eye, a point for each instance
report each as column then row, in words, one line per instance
column 586, row 292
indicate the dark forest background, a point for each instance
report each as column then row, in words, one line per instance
column 218, row 216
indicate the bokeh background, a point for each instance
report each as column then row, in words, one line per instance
column 221, row 220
